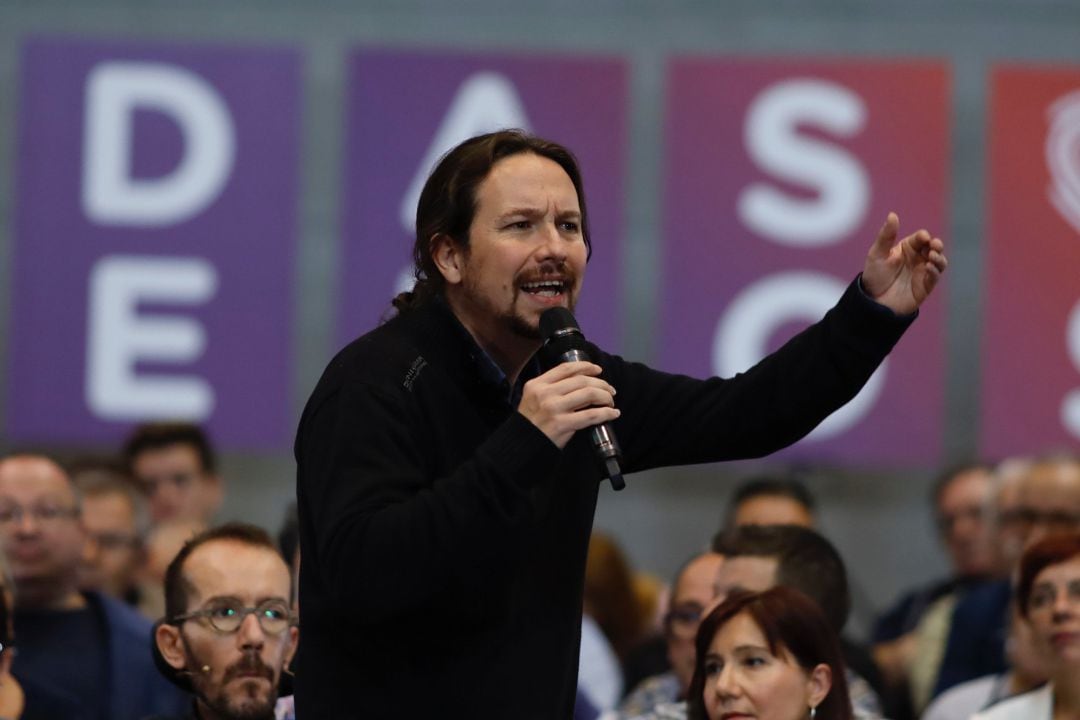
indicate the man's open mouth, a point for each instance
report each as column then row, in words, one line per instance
column 545, row 288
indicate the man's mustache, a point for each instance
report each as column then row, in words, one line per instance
column 249, row 665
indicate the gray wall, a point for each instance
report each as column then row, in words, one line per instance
column 879, row 519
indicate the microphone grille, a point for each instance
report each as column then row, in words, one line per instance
column 554, row 319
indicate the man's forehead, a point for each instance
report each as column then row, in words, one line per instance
column 1051, row 484
column 33, row 477
column 749, row 572
column 228, row 568
column 696, row 581
column 516, row 181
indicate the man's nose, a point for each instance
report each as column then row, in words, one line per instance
column 250, row 633
column 27, row 523
column 554, row 244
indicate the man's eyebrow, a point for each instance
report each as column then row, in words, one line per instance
column 528, row 211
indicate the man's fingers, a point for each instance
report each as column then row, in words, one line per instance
column 569, row 369
column 887, row 235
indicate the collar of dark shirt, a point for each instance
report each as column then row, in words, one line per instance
column 488, row 370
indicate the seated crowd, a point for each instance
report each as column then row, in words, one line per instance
column 122, row 597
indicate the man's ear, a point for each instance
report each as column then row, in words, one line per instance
column 170, row 645
column 449, row 257
column 294, row 640
column 818, row 684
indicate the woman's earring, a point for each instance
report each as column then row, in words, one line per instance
column 813, row 712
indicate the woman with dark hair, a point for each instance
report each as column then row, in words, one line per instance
column 770, row 655
column 1048, row 598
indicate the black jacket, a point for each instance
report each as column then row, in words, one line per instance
column 443, row 536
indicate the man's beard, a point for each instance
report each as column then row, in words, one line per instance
column 510, row 318
column 224, row 707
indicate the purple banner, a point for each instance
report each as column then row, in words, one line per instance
column 779, row 175
column 406, row 109
column 154, row 241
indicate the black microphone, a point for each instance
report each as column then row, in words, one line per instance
column 563, row 342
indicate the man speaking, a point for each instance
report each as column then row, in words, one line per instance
column 445, row 493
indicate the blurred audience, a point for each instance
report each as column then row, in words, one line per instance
column 114, row 515
column 176, row 467
column 758, row 557
column 1048, row 597
column 691, row 594
column 92, row 646
column 768, row 655
column 25, row 699
column 613, row 622
column 1028, row 669
column 229, row 631
column 162, row 545
column 771, row 500
column 1047, row 501
column 909, row 638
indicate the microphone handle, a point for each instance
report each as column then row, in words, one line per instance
column 603, row 438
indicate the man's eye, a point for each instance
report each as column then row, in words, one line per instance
column 570, row 226
column 225, row 611
column 275, row 613
column 519, row 225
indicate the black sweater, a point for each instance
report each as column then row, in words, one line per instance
column 444, row 536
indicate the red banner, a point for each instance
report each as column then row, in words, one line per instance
column 1031, row 349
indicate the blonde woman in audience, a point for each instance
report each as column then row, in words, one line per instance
column 1048, row 596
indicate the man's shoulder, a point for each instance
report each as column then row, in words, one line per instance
column 119, row 618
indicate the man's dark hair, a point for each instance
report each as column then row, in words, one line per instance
column 154, row 436
column 805, row 561
column 448, row 201
column 769, row 486
column 177, row 587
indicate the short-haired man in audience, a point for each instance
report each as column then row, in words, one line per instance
column 229, row 630
column 758, row 557
column 176, row 466
column 113, row 513
column 771, row 500
column 91, row 645
column 909, row 637
column 691, row 594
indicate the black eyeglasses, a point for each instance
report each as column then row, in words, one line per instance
column 227, row 616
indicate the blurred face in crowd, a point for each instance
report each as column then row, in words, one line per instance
column 962, row 518
column 39, row 524
column 773, row 510
column 109, row 519
column 526, row 251
column 1048, row 502
column 1054, row 614
column 744, row 679
column 691, row 595
column 235, row 674
column 177, row 485
column 745, row 572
